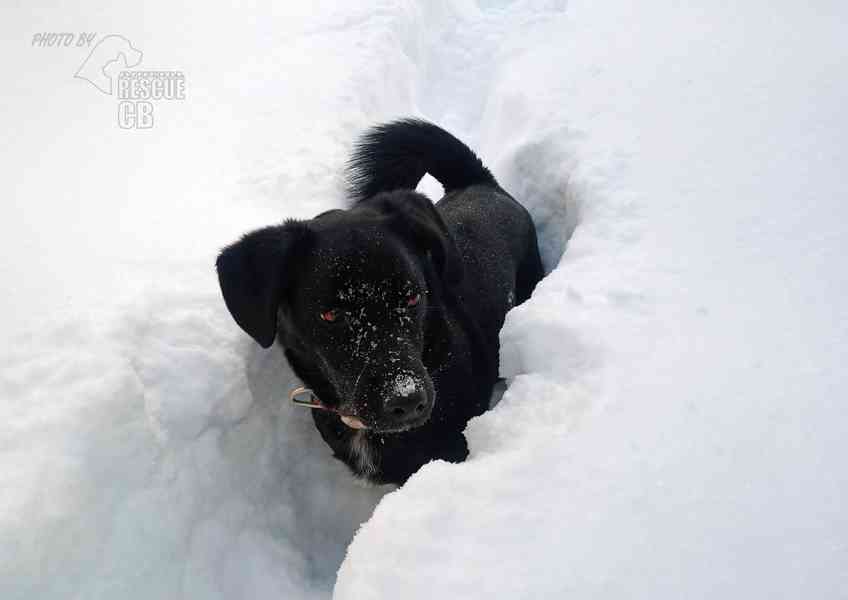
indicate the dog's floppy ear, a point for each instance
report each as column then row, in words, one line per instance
column 254, row 274
column 417, row 219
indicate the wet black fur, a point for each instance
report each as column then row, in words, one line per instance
column 472, row 257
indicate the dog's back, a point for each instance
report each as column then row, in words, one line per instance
column 493, row 232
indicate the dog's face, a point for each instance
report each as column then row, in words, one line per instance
column 349, row 293
column 360, row 312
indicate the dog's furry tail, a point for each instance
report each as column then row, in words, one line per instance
column 396, row 155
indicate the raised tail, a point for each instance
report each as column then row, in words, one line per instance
column 396, row 155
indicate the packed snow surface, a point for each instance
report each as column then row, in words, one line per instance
column 674, row 423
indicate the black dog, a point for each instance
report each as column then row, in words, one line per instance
column 390, row 311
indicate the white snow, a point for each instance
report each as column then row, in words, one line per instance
column 404, row 384
column 674, row 422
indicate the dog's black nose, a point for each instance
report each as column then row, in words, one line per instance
column 407, row 407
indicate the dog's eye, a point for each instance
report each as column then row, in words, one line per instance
column 413, row 300
column 330, row 315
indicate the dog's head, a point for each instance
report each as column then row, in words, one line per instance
column 352, row 295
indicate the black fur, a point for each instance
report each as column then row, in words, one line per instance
column 395, row 156
column 413, row 297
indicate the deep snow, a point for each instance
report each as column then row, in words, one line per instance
column 673, row 425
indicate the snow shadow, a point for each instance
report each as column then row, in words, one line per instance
column 538, row 174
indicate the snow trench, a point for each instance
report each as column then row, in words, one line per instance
column 670, row 424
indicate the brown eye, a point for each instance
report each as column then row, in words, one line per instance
column 330, row 315
column 413, row 300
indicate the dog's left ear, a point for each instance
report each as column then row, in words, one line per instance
column 417, row 219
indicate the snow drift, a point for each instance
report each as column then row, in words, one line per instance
column 672, row 422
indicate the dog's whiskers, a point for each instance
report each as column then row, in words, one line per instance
column 358, row 377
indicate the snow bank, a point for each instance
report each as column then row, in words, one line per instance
column 671, row 426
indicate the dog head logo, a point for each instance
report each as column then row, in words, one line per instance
column 110, row 49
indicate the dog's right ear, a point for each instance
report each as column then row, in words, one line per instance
column 255, row 274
